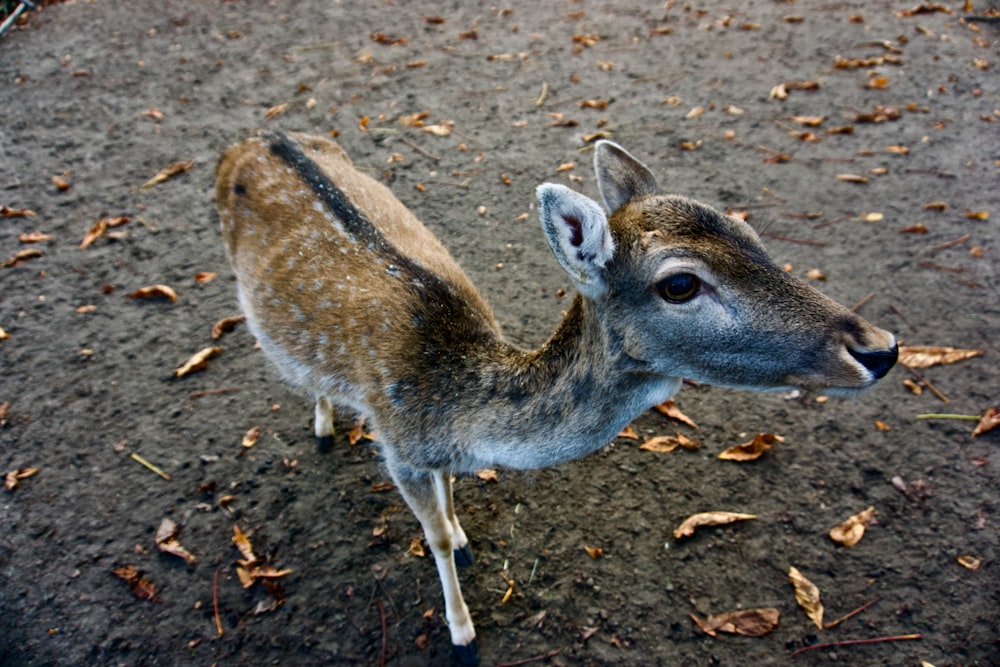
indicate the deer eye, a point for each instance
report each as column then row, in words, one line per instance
column 679, row 287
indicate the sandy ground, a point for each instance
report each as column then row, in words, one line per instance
column 105, row 94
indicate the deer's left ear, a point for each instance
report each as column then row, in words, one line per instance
column 578, row 233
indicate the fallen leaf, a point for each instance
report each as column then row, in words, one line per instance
column 142, row 587
column 594, row 552
column 815, row 274
column 809, row 121
column 594, row 104
column 918, row 228
column 669, row 409
column 442, row 129
column 969, row 562
column 357, row 431
column 20, row 257
column 935, row 206
column 61, row 183
column 242, row 543
column 873, row 217
column 153, row 291
column 226, row 325
column 897, row 150
column 688, row 526
column 8, row 212
column 275, row 111
column 925, row 8
column 881, row 114
column 203, row 277
column 33, row 237
column 849, row 532
column 779, row 92
column 629, row 432
column 668, row 443
column 4, row 336
column 746, row 622
column 977, row 215
column 565, row 166
column 925, row 356
column 989, row 422
column 250, row 437
column 695, row 112
column 12, row 479
column 168, row 172
column 88, row 308
column 417, row 547
column 166, row 541
column 198, row 362
column 851, row 178
column 752, row 450
column 100, row 227
column 807, row 595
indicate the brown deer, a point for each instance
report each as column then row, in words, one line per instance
column 358, row 304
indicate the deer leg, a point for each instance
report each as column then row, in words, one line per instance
column 442, row 486
column 324, row 424
column 420, row 490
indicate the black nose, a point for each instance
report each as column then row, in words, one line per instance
column 878, row 362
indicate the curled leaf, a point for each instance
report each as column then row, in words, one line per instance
column 750, row 451
column 12, row 479
column 153, row 291
column 142, row 587
column 488, row 475
column 970, row 562
column 198, row 362
column 850, row 531
column 594, row 552
column 169, row 172
column 807, row 595
column 101, row 227
column 746, row 622
column 925, row 356
column 668, row 443
column 226, row 325
column 687, row 528
column 669, row 409
column 166, row 541
column 990, row 420
column 250, row 437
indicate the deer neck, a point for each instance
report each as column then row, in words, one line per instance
column 562, row 401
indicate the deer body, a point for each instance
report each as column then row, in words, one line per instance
column 358, row 304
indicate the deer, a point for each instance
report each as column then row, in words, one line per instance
column 359, row 305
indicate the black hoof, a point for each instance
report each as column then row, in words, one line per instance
column 324, row 443
column 468, row 654
column 464, row 557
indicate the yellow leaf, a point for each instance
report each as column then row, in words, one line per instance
column 750, row 451
column 687, row 528
column 850, row 532
column 807, row 595
column 243, row 544
column 925, row 356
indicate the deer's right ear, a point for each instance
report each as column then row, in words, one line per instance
column 577, row 230
column 620, row 177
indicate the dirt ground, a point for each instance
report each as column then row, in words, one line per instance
column 104, row 94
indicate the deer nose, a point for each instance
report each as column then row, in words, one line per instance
column 878, row 362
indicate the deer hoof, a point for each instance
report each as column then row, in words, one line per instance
column 464, row 557
column 467, row 654
column 324, row 443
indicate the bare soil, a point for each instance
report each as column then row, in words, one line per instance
column 88, row 389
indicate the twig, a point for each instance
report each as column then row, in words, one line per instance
column 927, row 383
column 833, row 624
column 545, row 93
column 381, row 613
column 215, row 602
column 419, row 149
column 862, row 302
column 538, row 658
column 139, row 459
column 953, row 242
column 935, row 415
column 857, row 642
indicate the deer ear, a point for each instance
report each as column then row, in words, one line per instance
column 577, row 231
column 620, row 177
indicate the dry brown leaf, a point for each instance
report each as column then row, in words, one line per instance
column 849, row 532
column 695, row 112
column 815, row 274
column 807, row 595
column 166, row 541
column 566, row 166
column 970, row 562
column 61, row 183
column 242, row 543
column 809, row 121
column 198, row 362
column 752, row 450
column 251, row 437
column 4, row 336
column 925, row 356
column 12, row 479
column 779, row 92
column 488, row 475
column 33, row 237
column 851, row 178
column 203, row 277
column 8, row 212
column 989, row 422
column 746, row 622
column 629, row 432
column 21, row 256
column 276, row 110
column 925, row 8
column 897, row 150
column 169, row 172
column 594, row 552
column 668, row 443
column 688, row 526
column 357, row 431
column 977, row 215
column 669, row 409
column 442, row 129
column 594, row 104
column 141, row 587
column 153, row 291
column 102, row 226
column 935, row 206
column 226, row 325
column 417, row 547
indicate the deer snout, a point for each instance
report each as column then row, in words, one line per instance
column 878, row 362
